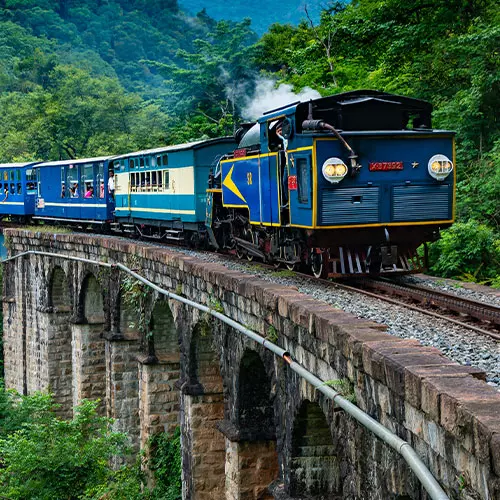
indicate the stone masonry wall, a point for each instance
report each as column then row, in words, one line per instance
column 446, row 411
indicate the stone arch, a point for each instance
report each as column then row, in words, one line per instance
column 163, row 332
column 159, row 374
column 59, row 291
column 59, row 335
column 122, row 381
column 89, row 357
column 255, row 410
column 129, row 318
column 204, row 368
column 314, row 466
column 204, row 451
column 93, row 302
column 251, row 456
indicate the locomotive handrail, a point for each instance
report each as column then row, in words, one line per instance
column 402, row 447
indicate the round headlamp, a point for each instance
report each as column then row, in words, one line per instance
column 440, row 167
column 334, row 170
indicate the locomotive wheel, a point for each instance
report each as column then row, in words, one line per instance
column 291, row 253
column 317, row 263
column 248, row 235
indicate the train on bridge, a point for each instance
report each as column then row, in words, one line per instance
column 350, row 184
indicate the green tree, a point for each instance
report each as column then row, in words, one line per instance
column 213, row 79
column 49, row 458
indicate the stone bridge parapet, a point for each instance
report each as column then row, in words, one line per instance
column 250, row 427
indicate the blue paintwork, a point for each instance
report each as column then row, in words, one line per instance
column 201, row 155
column 260, row 197
column 366, row 198
column 20, row 197
column 50, row 204
column 356, row 207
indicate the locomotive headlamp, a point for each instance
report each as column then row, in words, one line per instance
column 440, row 167
column 334, row 170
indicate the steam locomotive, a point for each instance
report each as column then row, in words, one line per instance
column 350, row 184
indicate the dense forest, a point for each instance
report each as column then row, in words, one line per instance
column 89, row 77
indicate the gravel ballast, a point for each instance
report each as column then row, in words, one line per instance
column 457, row 343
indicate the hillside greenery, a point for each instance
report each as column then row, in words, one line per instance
column 90, row 77
column 47, row 458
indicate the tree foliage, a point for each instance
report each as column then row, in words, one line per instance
column 46, row 458
column 446, row 52
column 207, row 90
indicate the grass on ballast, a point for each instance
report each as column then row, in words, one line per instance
column 44, row 228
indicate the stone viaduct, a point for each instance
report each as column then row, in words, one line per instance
column 250, row 428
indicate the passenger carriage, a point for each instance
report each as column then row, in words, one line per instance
column 17, row 191
column 161, row 193
column 74, row 191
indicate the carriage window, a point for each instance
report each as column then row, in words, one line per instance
column 72, row 181
column 147, row 161
column 12, row 188
column 6, row 175
column 131, row 163
column 160, row 181
column 18, row 175
column 143, row 181
column 142, row 162
column 64, row 193
column 303, row 186
column 132, row 183
column 30, row 181
column 100, row 179
column 166, row 177
column 12, row 175
column 148, row 181
column 88, row 180
column 19, row 188
column 164, row 160
column 154, row 183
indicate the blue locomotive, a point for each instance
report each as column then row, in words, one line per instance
column 350, row 184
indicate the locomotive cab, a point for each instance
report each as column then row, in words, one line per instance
column 349, row 184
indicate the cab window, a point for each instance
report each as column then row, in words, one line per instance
column 303, row 184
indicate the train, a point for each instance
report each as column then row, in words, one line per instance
column 346, row 185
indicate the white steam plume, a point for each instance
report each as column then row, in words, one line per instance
column 267, row 97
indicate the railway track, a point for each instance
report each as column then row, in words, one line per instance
column 478, row 316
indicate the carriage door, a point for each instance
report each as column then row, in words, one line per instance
column 74, row 192
column 89, row 191
column 300, row 182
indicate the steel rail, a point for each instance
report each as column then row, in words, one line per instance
column 473, row 308
column 482, row 331
column 425, row 476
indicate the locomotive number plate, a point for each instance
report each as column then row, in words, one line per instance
column 383, row 166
